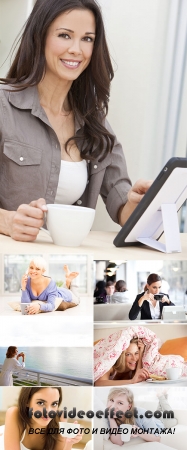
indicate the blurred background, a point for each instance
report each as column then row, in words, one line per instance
column 135, row 273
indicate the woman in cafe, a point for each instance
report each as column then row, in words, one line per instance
column 56, row 145
column 150, row 303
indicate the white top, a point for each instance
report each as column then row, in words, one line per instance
column 22, row 447
column 72, row 182
column 155, row 311
column 2, row 432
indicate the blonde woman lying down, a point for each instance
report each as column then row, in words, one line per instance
column 36, row 286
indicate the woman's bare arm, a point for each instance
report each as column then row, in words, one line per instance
column 140, row 375
column 105, row 380
column 115, row 438
column 12, row 433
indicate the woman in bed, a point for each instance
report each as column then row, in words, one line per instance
column 128, row 367
column 36, row 286
column 10, row 365
column 146, row 303
column 18, row 423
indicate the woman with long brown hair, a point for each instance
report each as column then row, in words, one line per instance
column 18, row 422
column 55, row 143
column 150, row 303
column 10, row 365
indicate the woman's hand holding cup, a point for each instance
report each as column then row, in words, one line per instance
column 165, row 299
column 33, row 309
column 25, row 223
column 146, row 296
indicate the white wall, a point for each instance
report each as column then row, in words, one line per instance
column 13, row 14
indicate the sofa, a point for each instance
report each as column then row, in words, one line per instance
column 175, row 441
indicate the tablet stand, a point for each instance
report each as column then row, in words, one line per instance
column 171, row 230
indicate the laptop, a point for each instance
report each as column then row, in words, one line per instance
column 173, row 313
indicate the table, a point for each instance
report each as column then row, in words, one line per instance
column 99, row 244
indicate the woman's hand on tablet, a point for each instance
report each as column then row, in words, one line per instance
column 134, row 196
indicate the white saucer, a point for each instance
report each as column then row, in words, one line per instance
column 149, row 380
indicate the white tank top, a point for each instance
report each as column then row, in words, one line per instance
column 72, row 182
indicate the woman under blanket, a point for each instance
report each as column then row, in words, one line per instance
column 108, row 351
column 37, row 286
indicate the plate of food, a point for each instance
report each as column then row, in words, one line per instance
column 161, row 379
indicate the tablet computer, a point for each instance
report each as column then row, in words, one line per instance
column 173, row 313
column 157, row 211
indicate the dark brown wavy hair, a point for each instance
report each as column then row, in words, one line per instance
column 89, row 93
column 25, row 396
column 11, row 352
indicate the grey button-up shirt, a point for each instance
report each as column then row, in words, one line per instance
column 30, row 158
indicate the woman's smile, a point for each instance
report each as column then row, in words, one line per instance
column 70, row 64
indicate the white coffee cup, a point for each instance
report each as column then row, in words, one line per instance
column 74, row 427
column 173, row 373
column 68, row 225
column 126, row 434
column 24, row 308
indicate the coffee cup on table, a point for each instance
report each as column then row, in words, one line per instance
column 126, row 433
column 173, row 373
column 24, row 308
column 68, row 225
column 70, row 429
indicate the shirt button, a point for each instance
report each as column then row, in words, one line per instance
column 21, row 158
column 56, row 146
column 79, row 202
column 95, row 167
column 51, row 192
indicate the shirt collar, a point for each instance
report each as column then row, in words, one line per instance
column 29, row 99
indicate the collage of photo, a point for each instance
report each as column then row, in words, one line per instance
column 93, row 224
